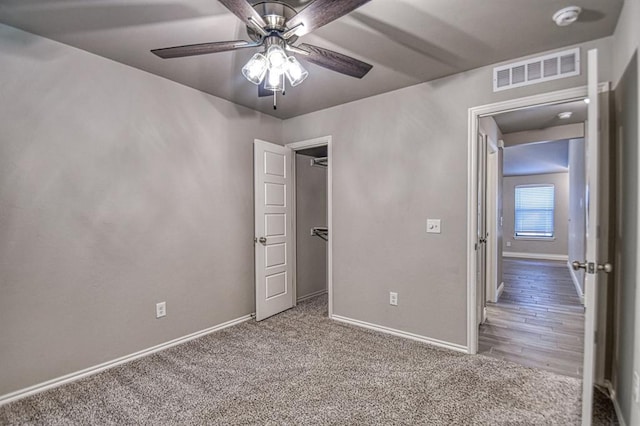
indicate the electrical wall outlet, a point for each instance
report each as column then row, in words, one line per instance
column 636, row 387
column 161, row 309
column 393, row 298
column 433, row 226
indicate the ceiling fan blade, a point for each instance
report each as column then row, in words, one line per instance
column 202, row 48
column 335, row 61
column 321, row 12
column 243, row 10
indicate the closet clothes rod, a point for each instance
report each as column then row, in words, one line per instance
column 320, row 161
column 320, row 232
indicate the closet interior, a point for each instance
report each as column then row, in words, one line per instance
column 311, row 222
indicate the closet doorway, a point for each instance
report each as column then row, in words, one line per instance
column 293, row 232
column 312, row 228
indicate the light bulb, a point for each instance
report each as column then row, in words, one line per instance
column 295, row 71
column 256, row 68
column 277, row 58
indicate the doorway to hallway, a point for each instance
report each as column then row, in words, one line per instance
column 538, row 320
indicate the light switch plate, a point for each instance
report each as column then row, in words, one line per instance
column 161, row 309
column 433, row 226
column 393, row 298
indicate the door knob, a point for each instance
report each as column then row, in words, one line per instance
column 590, row 267
column 607, row 267
column 577, row 265
column 262, row 240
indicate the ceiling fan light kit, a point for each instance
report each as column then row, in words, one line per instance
column 295, row 72
column 256, row 68
column 276, row 26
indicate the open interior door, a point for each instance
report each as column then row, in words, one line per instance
column 595, row 234
column 481, row 242
column 273, row 228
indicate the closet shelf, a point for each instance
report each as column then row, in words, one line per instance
column 320, row 161
column 321, row 232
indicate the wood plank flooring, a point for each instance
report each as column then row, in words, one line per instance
column 538, row 320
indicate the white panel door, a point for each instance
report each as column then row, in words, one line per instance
column 594, row 199
column 273, row 228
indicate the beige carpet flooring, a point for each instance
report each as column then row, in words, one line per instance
column 300, row 368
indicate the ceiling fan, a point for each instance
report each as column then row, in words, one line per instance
column 275, row 26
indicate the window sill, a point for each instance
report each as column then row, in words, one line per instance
column 534, row 238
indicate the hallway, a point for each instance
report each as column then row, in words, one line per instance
column 538, row 320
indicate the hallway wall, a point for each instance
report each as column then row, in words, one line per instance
column 558, row 246
column 577, row 204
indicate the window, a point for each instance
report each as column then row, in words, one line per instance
column 534, row 211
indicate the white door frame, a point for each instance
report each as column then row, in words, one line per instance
column 475, row 113
column 297, row 146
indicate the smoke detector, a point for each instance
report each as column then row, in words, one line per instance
column 567, row 16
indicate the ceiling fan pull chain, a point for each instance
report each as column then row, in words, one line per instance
column 274, row 100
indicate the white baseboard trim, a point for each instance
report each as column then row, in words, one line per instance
column 576, row 282
column 311, row 295
column 541, row 256
column 616, row 405
column 71, row 377
column 500, row 290
column 400, row 333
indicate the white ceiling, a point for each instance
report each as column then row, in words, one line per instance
column 536, row 158
column 407, row 41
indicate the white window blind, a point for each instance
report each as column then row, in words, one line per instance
column 534, row 211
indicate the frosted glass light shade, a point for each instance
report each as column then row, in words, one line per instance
column 295, row 72
column 256, row 68
column 276, row 57
column 274, row 81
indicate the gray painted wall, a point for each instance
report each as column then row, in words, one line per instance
column 400, row 158
column 577, row 211
column 118, row 189
column 627, row 242
column 627, row 97
column 557, row 246
column 311, row 210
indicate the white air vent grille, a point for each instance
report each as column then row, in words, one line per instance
column 536, row 70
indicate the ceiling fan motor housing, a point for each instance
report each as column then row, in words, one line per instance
column 275, row 14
